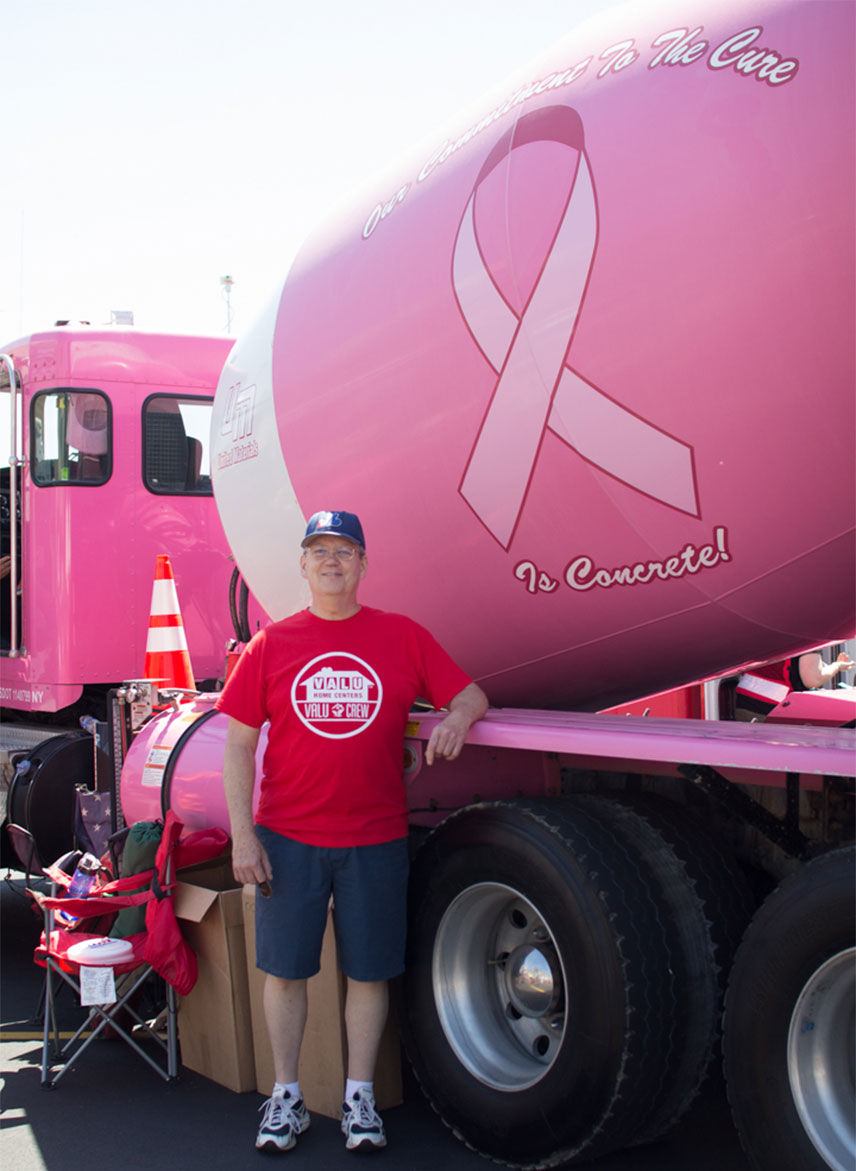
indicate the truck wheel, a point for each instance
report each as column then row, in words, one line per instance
column 540, row 991
column 728, row 903
column 789, row 1023
column 717, row 877
column 697, row 992
column 42, row 800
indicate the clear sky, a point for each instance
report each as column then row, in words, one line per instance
column 151, row 148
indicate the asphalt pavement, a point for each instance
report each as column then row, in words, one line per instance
column 112, row 1110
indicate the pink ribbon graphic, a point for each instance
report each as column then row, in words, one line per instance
column 535, row 387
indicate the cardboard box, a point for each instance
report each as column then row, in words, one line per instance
column 324, row 1054
column 214, row 1024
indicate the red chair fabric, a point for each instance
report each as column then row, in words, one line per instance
column 162, row 944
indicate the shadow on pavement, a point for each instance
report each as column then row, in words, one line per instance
column 112, row 1108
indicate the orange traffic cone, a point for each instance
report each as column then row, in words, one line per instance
column 167, row 657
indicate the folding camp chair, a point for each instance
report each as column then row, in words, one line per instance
column 159, row 949
column 129, row 975
column 137, row 971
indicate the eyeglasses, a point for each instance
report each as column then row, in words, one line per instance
column 320, row 555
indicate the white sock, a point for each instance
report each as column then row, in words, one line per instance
column 352, row 1086
column 290, row 1088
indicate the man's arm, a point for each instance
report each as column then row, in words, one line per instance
column 448, row 738
column 250, row 862
column 814, row 672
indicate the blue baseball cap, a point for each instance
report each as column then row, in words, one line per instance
column 335, row 524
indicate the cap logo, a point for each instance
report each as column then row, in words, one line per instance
column 328, row 520
column 343, row 524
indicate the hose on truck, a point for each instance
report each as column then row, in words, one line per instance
column 238, row 606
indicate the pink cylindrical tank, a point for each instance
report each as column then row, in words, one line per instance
column 583, row 364
column 176, row 762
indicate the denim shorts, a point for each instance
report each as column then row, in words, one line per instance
column 369, row 889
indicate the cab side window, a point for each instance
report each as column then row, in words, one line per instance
column 176, row 445
column 71, row 438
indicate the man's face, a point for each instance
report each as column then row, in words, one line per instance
column 333, row 566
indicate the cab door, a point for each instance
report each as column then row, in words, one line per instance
column 11, row 446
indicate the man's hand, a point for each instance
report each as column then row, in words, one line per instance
column 448, row 738
column 250, row 862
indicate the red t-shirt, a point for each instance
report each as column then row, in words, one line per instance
column 754, row 690
column 337, row 695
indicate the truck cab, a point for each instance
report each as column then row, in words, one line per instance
column 103, row 465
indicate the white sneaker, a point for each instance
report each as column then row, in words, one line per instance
column 283, row 1120
column 361, row 1123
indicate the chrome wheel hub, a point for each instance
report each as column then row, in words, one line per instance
column 499, row 986
column 821, row 1059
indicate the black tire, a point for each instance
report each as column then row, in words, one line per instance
column 719, row 881
column 691, row 1041
column 789, row 1023
column 728, row 903
column 566, row 1061
column 43, row 799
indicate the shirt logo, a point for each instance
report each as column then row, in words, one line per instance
column 337, row 695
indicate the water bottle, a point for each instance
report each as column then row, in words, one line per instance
column 81, row 884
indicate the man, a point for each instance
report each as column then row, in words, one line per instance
column 336, row 682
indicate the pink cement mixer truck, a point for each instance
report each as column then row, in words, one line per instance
column 584, row 366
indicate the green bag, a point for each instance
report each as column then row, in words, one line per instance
column 141, row 846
